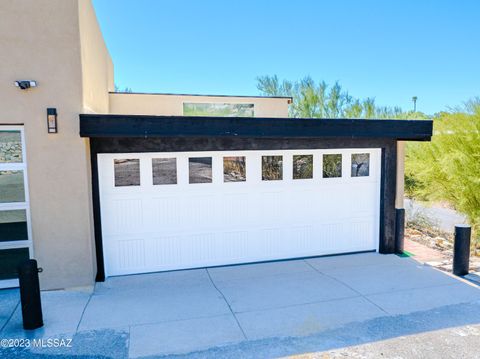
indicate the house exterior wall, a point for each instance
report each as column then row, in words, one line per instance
column 172, row 105
column 97, row 65
column 97, row 81
column 59, row 44
column 41, row 41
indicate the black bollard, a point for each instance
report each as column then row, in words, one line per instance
column 399, row 230
column 461, row 249
column 30, row 295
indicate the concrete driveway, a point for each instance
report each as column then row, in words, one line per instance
column 237, row 309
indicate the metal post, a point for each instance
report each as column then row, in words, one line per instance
column 399, row 229
column 461, row 249
column 30, row 294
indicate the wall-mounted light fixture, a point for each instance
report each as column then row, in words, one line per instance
column 25, row 84
column 52, row 120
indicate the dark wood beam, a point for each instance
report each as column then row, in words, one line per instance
column 97, row 125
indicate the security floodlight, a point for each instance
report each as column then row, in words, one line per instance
column 25, row 84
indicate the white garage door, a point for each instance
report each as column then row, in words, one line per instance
column 165, row 211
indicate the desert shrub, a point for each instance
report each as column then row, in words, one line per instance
column 448, row 168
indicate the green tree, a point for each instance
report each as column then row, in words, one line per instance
column 448, row 168
column 319, row 100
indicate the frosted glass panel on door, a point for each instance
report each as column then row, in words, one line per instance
column 12, row 187
column 13, row 225
column 10, row 147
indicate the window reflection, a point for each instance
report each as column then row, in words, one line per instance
column 272, row 168
column 200, row 169
column 164, row 171
column 234, row 169
column 302, row 166
column 332, row 166
column 12, row 187
column 127, row 172
column 13, row 225
column 360, row 164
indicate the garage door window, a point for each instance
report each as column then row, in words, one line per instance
column 272, row 168
column 200, row 170
column 127, row 172
column 360, row 164
column 332, row 165
column 234, row 169
column 302, row 166
column 15, row 241
column 164, row 171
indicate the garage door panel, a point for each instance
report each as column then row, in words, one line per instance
column 332, row 237
column 360, row 199
column 158, row 227
column 236, row 209
column 165, row 250
column 362, row 231
column 198, row 209
column 303, row 238
column 125, row 216
column 271, row 203
column 126, row 255
column 167, row 212
column 302, row 204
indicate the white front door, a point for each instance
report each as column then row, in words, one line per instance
column 167, row 211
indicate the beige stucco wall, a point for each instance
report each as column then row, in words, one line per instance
column 159, row 104
column 40, row 40
column 97, row 65
column 97, row 81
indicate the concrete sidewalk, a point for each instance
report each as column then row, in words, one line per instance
column 236, row 309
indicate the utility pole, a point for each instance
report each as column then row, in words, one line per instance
column 414, row 99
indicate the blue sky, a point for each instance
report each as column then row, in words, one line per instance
column 390, row 50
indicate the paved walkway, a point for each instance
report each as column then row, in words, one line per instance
column 441, row 260
column 443, row 218
column 423, row 253
column 268, row 309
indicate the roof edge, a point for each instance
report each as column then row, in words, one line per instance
column 197, row 95
column 98, row 125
